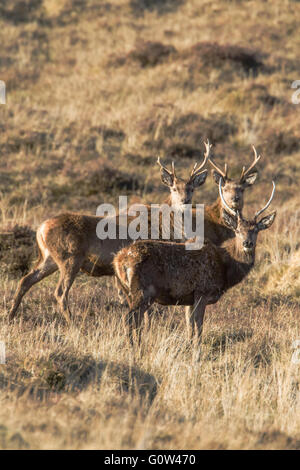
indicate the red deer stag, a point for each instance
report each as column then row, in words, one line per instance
column 69, row 242
column 168, row 274
column 181, row 192
column 215, row 228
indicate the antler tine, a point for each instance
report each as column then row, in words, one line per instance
column 229, row 209
column 256, row 159
column 223, row 173
column 268, row 203
column 173, row 169
column 208, row 146
column 162, row 167
column 206, row 156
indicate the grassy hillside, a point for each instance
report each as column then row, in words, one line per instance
column 95, row 91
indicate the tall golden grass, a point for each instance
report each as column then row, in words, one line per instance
column 90, row 104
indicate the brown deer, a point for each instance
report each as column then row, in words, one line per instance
column 215, row 227
column 168, row 274
column 69, row 242
column 181, row 191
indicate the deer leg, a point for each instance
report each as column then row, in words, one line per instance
column 68, row 272
column 189, row 318
column 59, row 292
column 46, row 267
column 125, row 316
column 127, row 296
column 122, row 297
column 194, row 318
column 147, row 323
column 199, row 312
column 135, row 317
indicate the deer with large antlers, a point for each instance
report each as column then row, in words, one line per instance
column 168, row 274
column 69, row 242
column 181, row 192
column 233, row 193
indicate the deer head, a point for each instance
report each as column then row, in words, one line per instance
column 181, row 190
column 233, row 190
column 246, row 231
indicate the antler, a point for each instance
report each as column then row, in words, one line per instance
column 235, row 213
column 173, row 169
column 195, row 170
column 222, row 173
column 268, row 203
column 256, row 159
column 229, row 209
column 165, row 169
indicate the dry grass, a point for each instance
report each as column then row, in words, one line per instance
column 95, row 91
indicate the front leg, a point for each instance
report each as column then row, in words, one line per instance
column 189, row 318
column 195, row 316
column 135, row 317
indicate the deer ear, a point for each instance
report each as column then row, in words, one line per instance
column 198, row 180
column 229, row 220
column 266, row 221
column 249, row 180
column 217, row 177
column 166, row 178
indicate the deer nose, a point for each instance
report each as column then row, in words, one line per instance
column 248, row 244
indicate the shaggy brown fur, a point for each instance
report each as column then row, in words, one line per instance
column 167, row 273
column 69, row 243
column 215, row 228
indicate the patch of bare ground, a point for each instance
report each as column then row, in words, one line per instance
column 224, row 60
column 276, row 142
column 148, row 54
column 184, row 135
column 17, row 251
column 50, row 13
column 106, row 179
column 161, row 7
column 277, row 440
column 212, row 54
column 21, row 11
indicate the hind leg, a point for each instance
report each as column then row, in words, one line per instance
column 46, row 267
column 121, row 296
column 68, row 271
column 194, row 318
column 135, row 316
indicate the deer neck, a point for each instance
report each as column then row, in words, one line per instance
column 237, row 263
column 173, row 202
column 215, row 210
column 214, row 222
column 168, row 201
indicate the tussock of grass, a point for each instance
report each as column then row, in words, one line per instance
column 226, row 56
column 148, row 54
